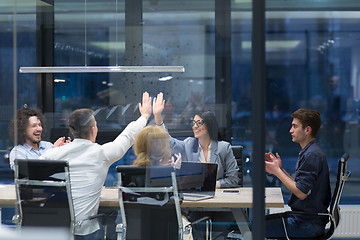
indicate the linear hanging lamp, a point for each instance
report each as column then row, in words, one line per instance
column 99, row 69
column 87, row 69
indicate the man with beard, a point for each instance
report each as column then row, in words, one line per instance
column 30, row 123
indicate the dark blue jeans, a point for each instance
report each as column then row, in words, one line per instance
column 98, row 235
column 275, row 229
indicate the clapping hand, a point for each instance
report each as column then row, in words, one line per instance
column 61, row 141
column 176, row 163
column 272, row 162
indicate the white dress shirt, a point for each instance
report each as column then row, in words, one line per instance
column 202, row 155
column 89, row 163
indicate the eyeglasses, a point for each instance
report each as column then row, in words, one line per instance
column 198, row 123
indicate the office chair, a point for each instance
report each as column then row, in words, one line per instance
column 150, row 204
column 43, row 195
column 238, row 153
column 343, row 175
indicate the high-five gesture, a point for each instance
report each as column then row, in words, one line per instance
column 158, row 107
column 145, row 106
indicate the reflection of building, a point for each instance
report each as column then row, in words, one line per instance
column 352, row 139
column 212, row 41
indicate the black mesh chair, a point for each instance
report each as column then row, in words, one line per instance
column 150, row 204
column 43, row 195
column 238, row 153
column 343, row 175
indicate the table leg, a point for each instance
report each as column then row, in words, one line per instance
column 242, row 222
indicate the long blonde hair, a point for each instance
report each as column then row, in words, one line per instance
column 152, row 147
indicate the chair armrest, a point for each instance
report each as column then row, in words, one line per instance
column 203, row 219
column 100, row 215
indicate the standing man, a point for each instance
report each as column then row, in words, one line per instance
column 310, row 186
column 30, row 123
column 89, row 162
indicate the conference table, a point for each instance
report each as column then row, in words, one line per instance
column 234, row 201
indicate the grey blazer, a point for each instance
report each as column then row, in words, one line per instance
column 221, row 153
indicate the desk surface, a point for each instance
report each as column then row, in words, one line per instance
column 109, row 198
column 243, row 199
column 7, row 196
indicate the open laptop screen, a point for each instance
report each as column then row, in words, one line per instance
column 193, row 177
column 197, row 176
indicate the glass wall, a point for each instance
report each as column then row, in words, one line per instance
column 311, row 62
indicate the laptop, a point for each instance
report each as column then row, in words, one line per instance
column 197, row 180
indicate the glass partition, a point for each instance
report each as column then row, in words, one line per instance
column 311, row 62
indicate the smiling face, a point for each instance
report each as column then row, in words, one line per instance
column 33, row 131
column 199, row 127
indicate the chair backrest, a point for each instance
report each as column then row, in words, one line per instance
column 43, row 193
column 149, row 202
column 343, row 175
column 238, row 153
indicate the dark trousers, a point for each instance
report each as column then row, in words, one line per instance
column 222, row 224
column 275, row 228
column 93, row 236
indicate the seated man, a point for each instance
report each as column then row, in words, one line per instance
column 89, row 162
column 30, row 123
column 311, row 185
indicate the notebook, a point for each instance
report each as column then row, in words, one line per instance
column 196, row 180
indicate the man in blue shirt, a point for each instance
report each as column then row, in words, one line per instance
column 310, row 186
column 30, row 123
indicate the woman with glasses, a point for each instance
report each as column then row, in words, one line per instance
column 204, row 146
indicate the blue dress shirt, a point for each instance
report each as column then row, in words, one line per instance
column 25, row 151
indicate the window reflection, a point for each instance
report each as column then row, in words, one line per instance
column 312, row 61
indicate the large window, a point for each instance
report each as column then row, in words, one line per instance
column 312, row 61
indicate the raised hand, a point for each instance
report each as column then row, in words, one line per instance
column 158, row 104
column 145, row 106
column 158, row 107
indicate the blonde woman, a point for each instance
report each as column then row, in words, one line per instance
column 152, row 147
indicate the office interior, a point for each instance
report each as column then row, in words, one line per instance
column 312, row 60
